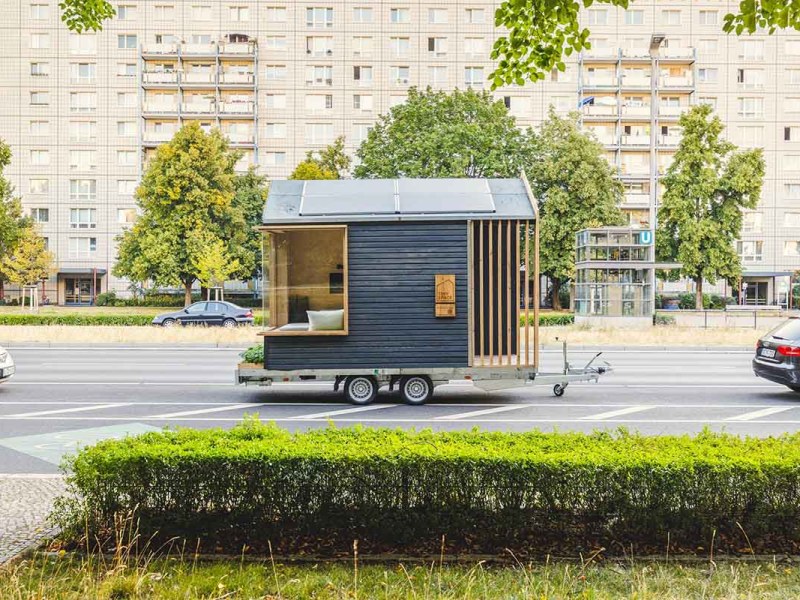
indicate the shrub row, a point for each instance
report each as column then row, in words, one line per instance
column 397, row 490
column 75, row 319
column 687, row 301
column 170, row 300
column 254, row 354
column 549, row 319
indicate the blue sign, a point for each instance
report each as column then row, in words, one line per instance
column 646, row 237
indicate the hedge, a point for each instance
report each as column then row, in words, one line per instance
column 397, row 490
column 549, row 319
column 75, row 319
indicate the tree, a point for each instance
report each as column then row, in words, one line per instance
column 186, row 201
column 576, row 189
column 249, row 198
column 542, row 32
column 310, row 169
column 214, row 264
column 440, row 134
column 706, row 188
column 85, row 15
column 30, row 262
column 13, row 226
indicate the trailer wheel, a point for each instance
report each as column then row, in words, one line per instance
column 416, row 389
column 360, row 389
column 558, row 390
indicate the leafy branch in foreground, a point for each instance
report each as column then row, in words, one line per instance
column 85, row 15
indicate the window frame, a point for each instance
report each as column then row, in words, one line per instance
column 345, row 280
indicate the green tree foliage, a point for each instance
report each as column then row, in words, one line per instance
column 249, row 198
column 215, row 265
column 29, row 262
column 331, row 162
column 576, row 189
column 310, row 169
column 13, row 226
column 85, row 15
column 440, row 134
column 542, row 32
column 186, row 201
column 705, row 190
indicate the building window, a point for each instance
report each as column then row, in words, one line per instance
column 276, row 72
column 82, row 131
column 318, row 103
column 670, row 17
column 40, row 215
column 126, row 69
column 83, row 73
column 708, row 100
column 317, row 271
column 276, row 159
column 40, row 12
column 634, row 17
column 40, row 158
column 751, row 49
column 240, row 14
column 126, row 158
column 437, row 16
column 791, row 248
column 708, row 47
column 82, row 218
column 126, row 216
column 82, row 44
column 362, row 14
column 473, row 77
column 363, row 75
column 126, row 99
column 319, row 46
column 39, row 41
column 38, row 186
column 363, row 102
column 82, row 189
column 791, row 162
column 40, row 69
column 276, row 101
column 750, row 79
column 362, row 46
column 126, row 187
column 319, row 133
column 752, row 222
column 201, row 12
column 277, row 130
column 400, row 75
column 475, row 16
column 437, row 46
column 126, row 41
column 750, row 251
column 792, row 47
column 707, row 75
column 751, row 107
column 437, row 76
column 275, row 43
column 126, row 12
column 275, row 14
column 164, row 12
column 83, row 160
column 319, row 17
column 39, row 127
column 40, row 98
column 792, row 219
column 360, row 132
column 474, row 46
column 401, row 46
column 82, row 247
column 708, row 17
column 319, row 75
column 750, row 136
column 126, row 128
column 83, row 102
column 399, row 15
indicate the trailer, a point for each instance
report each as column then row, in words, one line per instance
column 405, row 283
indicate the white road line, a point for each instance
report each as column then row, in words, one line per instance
column 757, row 414
column 345, row 411
column 617, row 413
column 67, row 410
column 480, row 413
column 189, row 413
column 124, row 383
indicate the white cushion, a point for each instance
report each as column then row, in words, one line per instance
column 325, row 320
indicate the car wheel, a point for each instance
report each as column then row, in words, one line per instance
column 360, row 389
column 168, row 323
column 416, row 389
column 228, row 323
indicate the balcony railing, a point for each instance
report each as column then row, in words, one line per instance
column 669, row 140
column 165, row 48
column 670, row 111
column 601, row 81
column 237, row 108
column 599, row 110
column 199, row 49
column 636, row 139
column 160, row 107
column 160, row 77
column 237, row 78
column 637, row 198
column 638, row 81
column 241, row 138
column 239, row 48
column 157, row 137
column 676, row 82
column 636, row 111
column 198, row 107
column 198, row 77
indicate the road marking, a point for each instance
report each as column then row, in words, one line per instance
column 67, row 410
column 336, row 413
column 757, row 414
column 109, row 363
column 617, row 413
column 479, row 413
column 124, row 383
column 189, row 413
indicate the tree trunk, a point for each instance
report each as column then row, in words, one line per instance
column 556, row 290
column 2, row 289
column 698, row 298
column 187, row 294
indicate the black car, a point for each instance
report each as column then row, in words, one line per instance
column 778, row 355
column 223, row 314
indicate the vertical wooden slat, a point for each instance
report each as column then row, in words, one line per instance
column 346, row 277
column 491, row 293
column 508, row 291
column 470, row 296
column 481, row 290
column 516, row 294
column 536, row 295
column 527, row 293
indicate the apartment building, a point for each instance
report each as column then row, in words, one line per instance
column 281, row 77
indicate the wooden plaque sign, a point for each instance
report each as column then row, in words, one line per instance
column 445, row 292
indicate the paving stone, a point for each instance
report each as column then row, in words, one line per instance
column 25, row 503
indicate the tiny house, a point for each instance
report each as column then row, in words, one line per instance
column 406, row 282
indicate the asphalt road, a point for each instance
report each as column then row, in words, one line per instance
column 61, row 398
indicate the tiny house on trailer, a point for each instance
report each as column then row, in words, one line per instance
column 407, row 282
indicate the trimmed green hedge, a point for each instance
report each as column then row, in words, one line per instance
column 397, row 490
column 75, row 319
column 254, row 354
column 549, row 319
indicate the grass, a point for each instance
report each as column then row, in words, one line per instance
column 75, row 577
column 668, row 335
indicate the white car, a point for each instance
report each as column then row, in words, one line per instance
column 7, row 366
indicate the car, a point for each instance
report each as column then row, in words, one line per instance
column 777, row 356
column 219, row 313
column 7, row 366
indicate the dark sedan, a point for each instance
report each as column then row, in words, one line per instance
column 778, row 355
column 223, row 314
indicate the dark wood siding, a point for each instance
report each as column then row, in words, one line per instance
column 391, row 303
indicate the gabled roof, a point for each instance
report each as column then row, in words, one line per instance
column 353, row 200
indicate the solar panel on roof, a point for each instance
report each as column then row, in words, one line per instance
column 446, row 203
column 443, row 186
column 348, row 204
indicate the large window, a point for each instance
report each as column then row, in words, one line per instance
column 305, row 282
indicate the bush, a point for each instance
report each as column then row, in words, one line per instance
column 403, row 490
column 659, row 319
column 254, row 354
column 75, row 319
column 549, row 319
column 106, row 299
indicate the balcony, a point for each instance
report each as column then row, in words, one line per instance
column 636, row 139
column 677, row 53
column 670, row 141
column 636, row 199
column 236, row 108
column 670, row 111
column 241, row 138
column 601, row 81
column 199, row 108
column 636, row 81
column 160, row 107
column 160, row 77
column 600, row 110
column 160, row 49
column 209, row 49
column 198, row 78
column 601, row 53
column 237, row 78
column 636, row 111
column 157, row 137
column 676, row 82
column 238, row 48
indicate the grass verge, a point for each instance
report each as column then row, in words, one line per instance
column 73, row 577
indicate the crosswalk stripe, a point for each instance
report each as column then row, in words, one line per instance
column 757, row 414
column 344, row 411
column 616, row 413
column 58, row 411
column 479, row 413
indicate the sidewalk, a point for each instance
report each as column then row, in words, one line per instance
column 25, row 503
